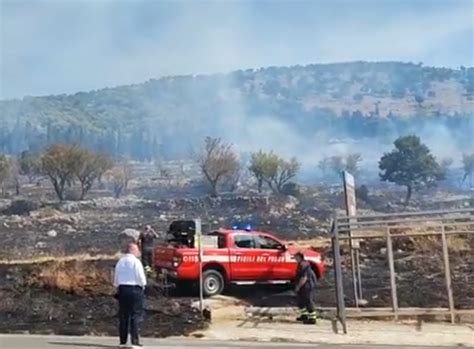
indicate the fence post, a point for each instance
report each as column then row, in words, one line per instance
column 447, row 273
column 333, row 245
column 354, row 275
column 341, row 309
column 359, row 276
column 393, row 282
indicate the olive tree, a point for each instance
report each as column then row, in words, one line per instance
column 287, row 170
column 271, row 169
column 263, row 166
column 218, row 161
column 352, row 162
column 468, row 165
column 4, row 171
column 89, row 168
column 60, row 163
column 337, row 163
column 120, row 176
column 410, row 164
column 29, row 165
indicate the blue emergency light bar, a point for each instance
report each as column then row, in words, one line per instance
column 246, row 227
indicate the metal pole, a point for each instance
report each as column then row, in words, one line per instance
column 197, row 223
column 393, row 283
column 341, row 310
column 333, row 245
column 350, row 200
column 447, row 273
column 359, row 277
column 354, row 276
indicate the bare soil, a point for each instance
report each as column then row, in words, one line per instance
column 76, row 298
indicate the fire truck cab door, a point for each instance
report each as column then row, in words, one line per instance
column 243, row 257
column 273, row 259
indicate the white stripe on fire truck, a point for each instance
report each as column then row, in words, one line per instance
column 316, row 259
column 215, row 258
column 192, row 259
column 248, row 259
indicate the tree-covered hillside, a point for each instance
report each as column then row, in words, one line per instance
column 168, row 116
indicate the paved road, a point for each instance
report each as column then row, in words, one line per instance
column 57, row 342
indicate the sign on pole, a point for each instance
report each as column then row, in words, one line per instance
column 351, row 210
column 350, row 198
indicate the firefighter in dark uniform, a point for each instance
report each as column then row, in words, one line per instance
column 305, row 290
column 147, row 243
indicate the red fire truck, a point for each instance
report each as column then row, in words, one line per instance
column 237, row 256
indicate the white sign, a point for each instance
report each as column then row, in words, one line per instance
column 208, row 241
column 350, row 198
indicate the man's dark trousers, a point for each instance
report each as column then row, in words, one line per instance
column 307, row 303
column 130, row 312
column 147, row 257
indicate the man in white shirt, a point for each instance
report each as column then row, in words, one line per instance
column 130, row 281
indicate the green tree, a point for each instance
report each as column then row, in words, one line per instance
column 120, row 177
column 4, row 171
column 410, row 164
column 231, row 183
column 337, row 163
column 89, row 167
column 291, row 189
column 362, row 192
column 217, row 162
column 15, row 174
column 286, row 170
column 263, row 166
column 30, row 165
column 60, row 163
column 271, row 169
column 468, row 165
column 352, row 162
column 104, row 164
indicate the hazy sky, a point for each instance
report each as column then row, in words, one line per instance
column 52, row 47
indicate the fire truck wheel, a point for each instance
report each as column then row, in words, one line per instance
column 213, row 282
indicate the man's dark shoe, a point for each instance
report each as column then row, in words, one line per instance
column 310, row 322
column 302, row 318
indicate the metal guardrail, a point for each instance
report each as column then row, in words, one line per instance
column 365, row 227
column 408, row 214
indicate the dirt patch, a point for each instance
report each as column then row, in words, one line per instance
column 76, row 298
column 363, row 333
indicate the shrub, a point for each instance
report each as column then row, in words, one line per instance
column 291, row 188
